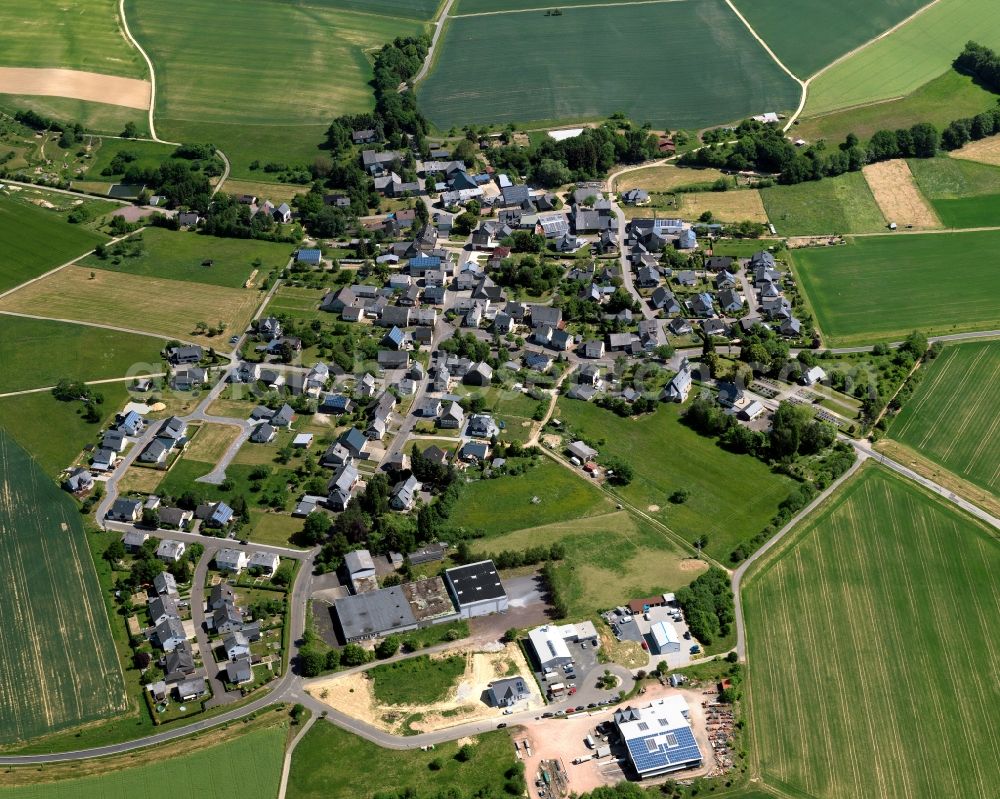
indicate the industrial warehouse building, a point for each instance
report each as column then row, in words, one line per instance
column 659, row 737
column 397, row 609
column 663, row 638
column 476, row 589
column 549, row 642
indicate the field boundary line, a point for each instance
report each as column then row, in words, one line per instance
column 152, row 73
column 568, row 8
column 803, row 85
column 286, row 766
column 59, row 268
column 439, row 24
column 85, row 382
column 131, row 330
column 869, row 43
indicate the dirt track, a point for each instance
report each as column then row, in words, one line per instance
column 91, row 86
column 897, row 195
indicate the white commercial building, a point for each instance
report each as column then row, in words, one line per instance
column 549, row 642
column 659, row 737
column 664, row 638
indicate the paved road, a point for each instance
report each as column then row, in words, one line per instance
column 220, row 696
column 128, row 379
column 626, row 267
column 209, row 540
column 438, row 30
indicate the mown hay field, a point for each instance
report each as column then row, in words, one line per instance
column 34, row 240
column 73, row 34
column 270, row 86
column 96, row 117
column 965, row 193
column 666, row 177
column 843, row 204
column 696, row 63
column 880, row 288
column 48, row 351
column 897, row 195
column 725, row 206
column 186, row 256
column 59, row 667
column 809, row 34
column 871, row 636
column 246, row 765
column 952, row 418
column 608, row 557
column 732, row 497
column 906, row 59
column 171, row 308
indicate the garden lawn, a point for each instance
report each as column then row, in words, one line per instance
column 503, row 504
column 843, row 204
column 58, row 656
column 52, row 431
column 908, row 58
column 608, row 559
column 665, row 178
column 181, row 255
column 964, row 193
column 325, row 766
column 939, row 101
column 34, row 240
column 809, row 34
column 868, row 631
column 70, row 34
column 732, row 497
column 248, row 764
column 168, row 308
column 299, row 303
column 46, row 352
column 549, row 72
column 420, row 680
column 951, row 417
column 264, row 90
column 881, row 288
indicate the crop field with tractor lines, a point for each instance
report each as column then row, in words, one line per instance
column 871, row 634
column 583, row 65
column 59, row 667
column 951, row 417
column 880, row 288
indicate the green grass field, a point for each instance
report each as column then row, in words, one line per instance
column 179, row 255
column 880, row 288
column 417, row 681
column 939, row 101
column 486, row 6
column 48, row 351
column 609, row 559
column 59, row 660
column 963, row 193
column 810, row 34
column 266, row 90
column 732, row 497
column 869, row 637
column 325, row 766
column 951, row 417
column 908, row 58
column 843, row 204
column 72, row 34
column 584, row 64
column 96, row 117
column 504, row 504
column 249, row 765
column 34, row 240
column 148, row 155
column 52, row 431
column 413, row 9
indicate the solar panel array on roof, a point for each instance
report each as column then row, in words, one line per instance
column 664, row 751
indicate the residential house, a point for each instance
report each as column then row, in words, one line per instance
column 184, row 353
column 265, row 563
column 479, row 374
column 452, row 418
column 103, row 460
column 239, row 671
column 169, row 634
column 175, row 518
column 78, row 480
column 125, row 509
column 482, row 425
column 231, row 560
column 283, row 417
column 341, row 486
column 170, row 551
column 134, row 539
column 236, row 645
column 263, row 433
column 404, row 494
column 730, row 301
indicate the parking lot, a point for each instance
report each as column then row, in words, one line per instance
column 580, row 677
column 627, row 626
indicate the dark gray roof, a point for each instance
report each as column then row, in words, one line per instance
column 476, row 582
column 374, row 612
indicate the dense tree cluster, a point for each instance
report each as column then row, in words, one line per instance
column 981, row 63
column 537, row 277
column 588, row 156
column 708, row 605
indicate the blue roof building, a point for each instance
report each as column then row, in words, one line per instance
column 659, row 737
column 221, row 515
column 687, row 240
column 394, row 338
column 426, row 262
